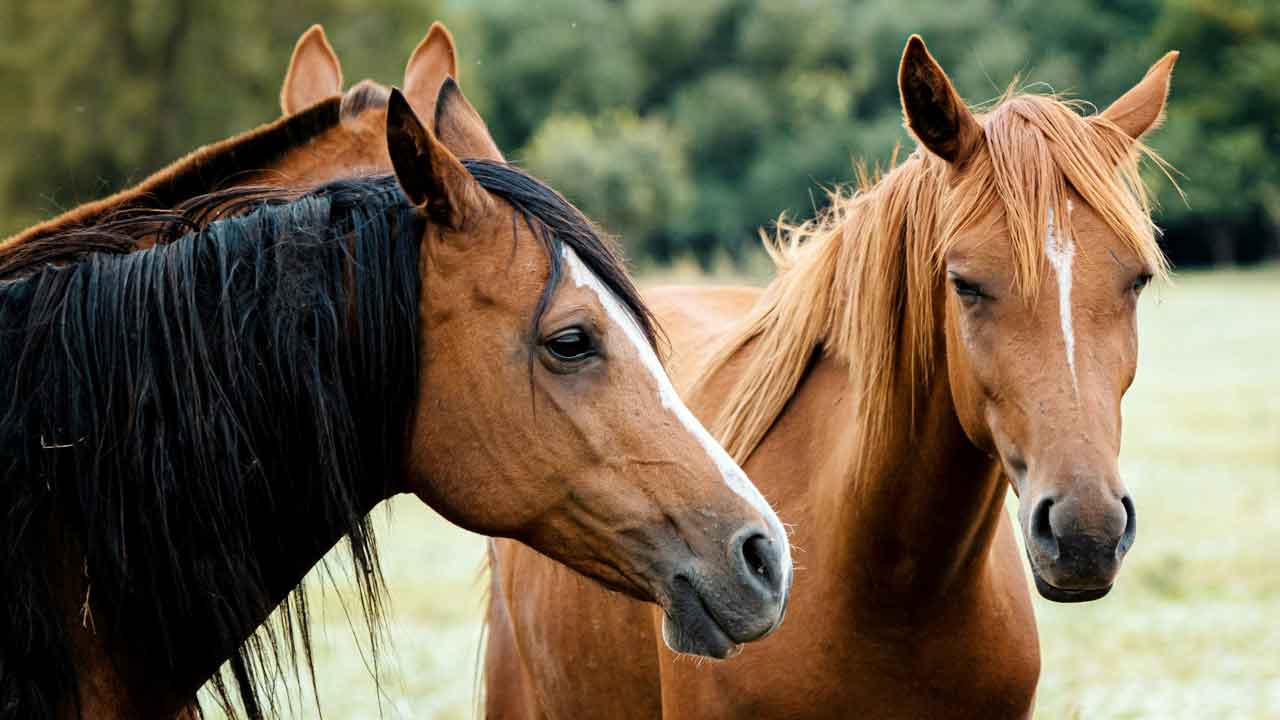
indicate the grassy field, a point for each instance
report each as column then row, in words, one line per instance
column 1192, row 630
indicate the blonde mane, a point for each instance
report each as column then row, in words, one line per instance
column 859, row 282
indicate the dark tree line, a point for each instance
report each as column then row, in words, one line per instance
column 682, row 126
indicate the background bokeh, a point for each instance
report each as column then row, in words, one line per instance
column 683, row 126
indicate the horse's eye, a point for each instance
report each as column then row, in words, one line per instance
column 571, row 345
column 1141, row 282
column 969, row 292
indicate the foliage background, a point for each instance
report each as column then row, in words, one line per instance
column 682, row 126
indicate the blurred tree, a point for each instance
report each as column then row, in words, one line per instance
column 764, row 98
column 1223, row 131
column 682, row 125
column 100, row 93
column 630, row 172
column 538, row 58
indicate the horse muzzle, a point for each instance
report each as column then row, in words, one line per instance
column 710, row 610
column 1076, row 554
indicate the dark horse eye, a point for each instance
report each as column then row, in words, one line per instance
column 570, row 346
column 968, row 291
column 1141, row 282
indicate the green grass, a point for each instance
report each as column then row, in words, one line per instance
column 1192, row 629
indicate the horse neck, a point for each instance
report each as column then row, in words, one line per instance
column 169, row 610
column 118, row 678
column 300, row 541
column 913, row 500
column 914, row 515
column 129, row 675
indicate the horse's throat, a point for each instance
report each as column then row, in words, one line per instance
column 914, row 514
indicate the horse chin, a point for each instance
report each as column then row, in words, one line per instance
column 1062, row 595
column 704, row 639
column 689, row 628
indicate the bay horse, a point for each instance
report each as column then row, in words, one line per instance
column 187, row 429
column 323, row 134
column 962, row 325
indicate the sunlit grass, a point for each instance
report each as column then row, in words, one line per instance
column 1192, row 630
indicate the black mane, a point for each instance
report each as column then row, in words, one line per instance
column 162, row 407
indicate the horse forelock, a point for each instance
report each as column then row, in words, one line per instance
column 364, row 95
column 858, row 281
column 176, row 406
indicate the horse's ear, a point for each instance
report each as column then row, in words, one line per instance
column 433, row 179
column 314, row 72
column 461, row 128
column 432, row 61
column 1142, row 108
column 934, row 112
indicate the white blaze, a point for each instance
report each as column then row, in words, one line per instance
column 1061, row 252
column 733, row 475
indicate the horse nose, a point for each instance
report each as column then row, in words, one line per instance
column 1102, row 523
column 1083, row 540
column 757, row 558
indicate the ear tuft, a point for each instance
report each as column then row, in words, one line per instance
column 1141, row 109
column 933, row 110
column 314, row 72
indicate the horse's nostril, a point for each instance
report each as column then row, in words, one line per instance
column 1042, row 528
column 1130, row 527
column 753, row 551
column 761, row 563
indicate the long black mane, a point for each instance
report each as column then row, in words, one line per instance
column 162, row 407
column 176, row 419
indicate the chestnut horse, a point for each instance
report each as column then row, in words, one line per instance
column 191, row 427
column 324, row 134
column 967, row 318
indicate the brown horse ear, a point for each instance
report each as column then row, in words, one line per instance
column 432, row 61
column 432, row 178
column 934, row 112
column 461, row 128
column 314, row 72
column 1142, row 108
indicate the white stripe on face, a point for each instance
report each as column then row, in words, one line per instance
column 1061, row 252
column 733, row 475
